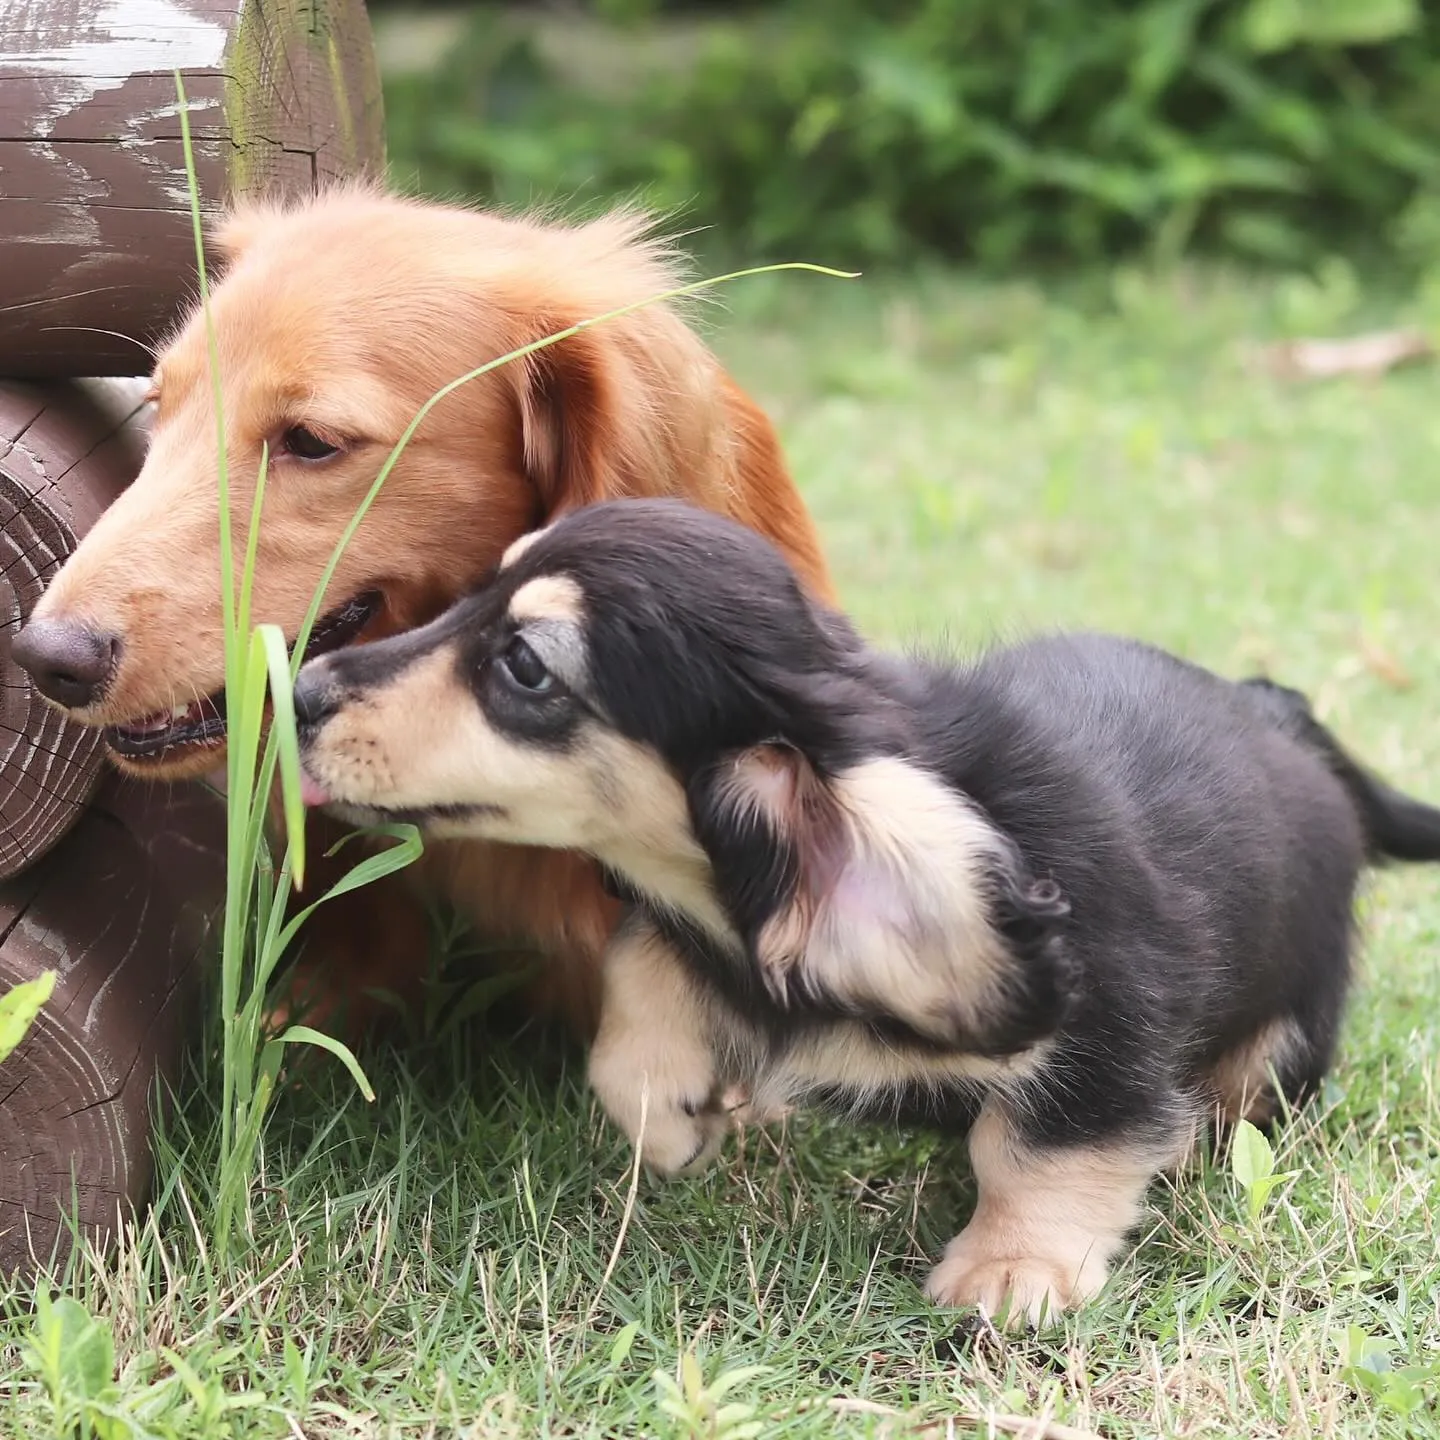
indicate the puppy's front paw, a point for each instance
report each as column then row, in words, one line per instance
column 687, row 1148
column 743, row 1108
column 670, row 1107
column 1032, row 1287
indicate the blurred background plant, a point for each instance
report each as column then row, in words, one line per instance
column 997, row 131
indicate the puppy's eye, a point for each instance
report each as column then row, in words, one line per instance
column 525, row 668
column 305, row 444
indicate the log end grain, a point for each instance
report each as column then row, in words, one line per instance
column 121, row 910
column 66, row 451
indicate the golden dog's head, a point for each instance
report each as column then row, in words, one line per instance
column 334, row 322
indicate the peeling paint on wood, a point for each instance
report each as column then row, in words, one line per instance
column 120, row 38
column 282, row 94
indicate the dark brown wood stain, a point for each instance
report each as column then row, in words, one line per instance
column 121, row 911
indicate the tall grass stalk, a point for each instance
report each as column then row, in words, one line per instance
column 255, row 932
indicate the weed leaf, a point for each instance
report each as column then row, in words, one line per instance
column 19, row 1006
column 1251, row 1159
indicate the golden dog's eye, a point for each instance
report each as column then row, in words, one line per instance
column 526, row 668
column 305, row 444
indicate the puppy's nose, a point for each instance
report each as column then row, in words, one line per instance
column 70, row 664
column 317, row 697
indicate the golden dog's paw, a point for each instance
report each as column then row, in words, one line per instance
column 1032, row 1288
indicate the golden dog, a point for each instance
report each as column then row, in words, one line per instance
column 335, row 320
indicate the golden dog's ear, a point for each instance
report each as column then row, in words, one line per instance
column 571, row 426
column 239, row 228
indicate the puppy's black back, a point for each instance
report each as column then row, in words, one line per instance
column 1209, row 857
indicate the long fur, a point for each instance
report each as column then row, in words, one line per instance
column 343, row 314
column 1072, row 897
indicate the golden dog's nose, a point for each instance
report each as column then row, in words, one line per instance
column 69, row 664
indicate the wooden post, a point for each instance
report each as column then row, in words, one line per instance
column 66, row 451
column 99, row 254
column 121, row 910
column 99, row 264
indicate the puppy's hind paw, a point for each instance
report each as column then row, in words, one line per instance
column 1004, row 1291
column 744, row 1109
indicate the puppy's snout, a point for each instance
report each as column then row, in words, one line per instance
column 69, row 663
column 317, row 697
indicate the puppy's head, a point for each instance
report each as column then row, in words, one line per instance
column 335, row 320
column 610, row 658
column 648, row 682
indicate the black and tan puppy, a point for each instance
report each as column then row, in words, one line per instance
column 1073, row 897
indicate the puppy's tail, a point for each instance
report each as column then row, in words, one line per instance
column 1397, row 826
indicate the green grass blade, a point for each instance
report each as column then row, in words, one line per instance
column 407, row 849
column 286, row 741
column 247, row 716
column 237, row 875
column 233, row 657
column 272, row 943
column 252, row 542
column 264, row 789
column 235, row 1164
column 304, row 1035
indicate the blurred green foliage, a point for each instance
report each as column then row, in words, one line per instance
column 864, row 130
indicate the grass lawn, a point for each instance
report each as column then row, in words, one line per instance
column 467, row 1257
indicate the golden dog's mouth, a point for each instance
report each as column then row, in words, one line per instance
column 200, row 725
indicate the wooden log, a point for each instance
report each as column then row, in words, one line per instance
column 66, row 451
column 121, row 909
column 93, row 201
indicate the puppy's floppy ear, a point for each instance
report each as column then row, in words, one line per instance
column 881, row 893
column 778, row 841
column 570, row 422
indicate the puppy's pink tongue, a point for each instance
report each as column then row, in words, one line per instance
column 311, row 791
